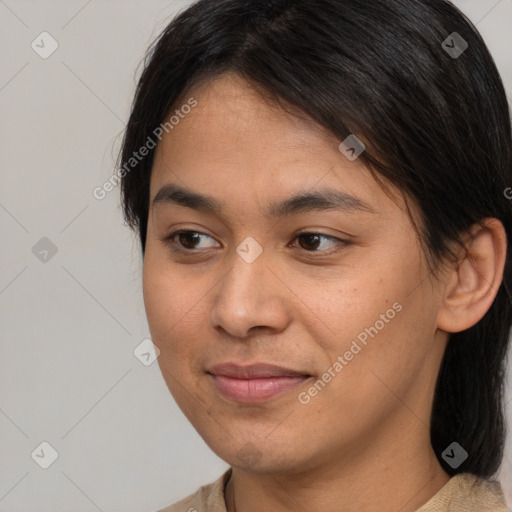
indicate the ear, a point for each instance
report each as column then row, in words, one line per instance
column 473, row 282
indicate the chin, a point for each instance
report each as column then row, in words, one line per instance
column 263, row 457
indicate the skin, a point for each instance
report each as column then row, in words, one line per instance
column 363, row 441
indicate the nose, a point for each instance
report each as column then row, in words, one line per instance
column 250, row 295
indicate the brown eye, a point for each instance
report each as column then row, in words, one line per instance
column 311, row 241
column 188, row 238
column 314, row 243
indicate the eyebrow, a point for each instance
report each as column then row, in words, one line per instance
column 303, row 202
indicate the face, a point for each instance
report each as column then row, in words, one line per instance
column 291, row 304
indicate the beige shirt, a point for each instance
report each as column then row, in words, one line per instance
column 464, row 492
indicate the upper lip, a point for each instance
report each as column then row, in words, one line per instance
column 254, row 371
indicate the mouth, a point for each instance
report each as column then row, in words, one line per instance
column 255, row 383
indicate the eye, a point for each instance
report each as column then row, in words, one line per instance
column 187, row 240
column 312, row 241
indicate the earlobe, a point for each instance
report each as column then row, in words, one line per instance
column 473, row 283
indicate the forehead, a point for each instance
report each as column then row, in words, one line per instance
column 238, row 145
column 232, row 114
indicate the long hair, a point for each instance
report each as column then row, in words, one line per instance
column 414, row 79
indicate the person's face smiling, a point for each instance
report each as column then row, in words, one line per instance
column 211, row 297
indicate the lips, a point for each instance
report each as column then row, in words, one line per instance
column 255, row 383
column 254, row 371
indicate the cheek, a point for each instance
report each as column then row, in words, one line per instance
column 380, row 334
column 163, row 305
column 166, row 311
column 174, row 312
column 167, row 298
column 381, row 361
column 158, row 298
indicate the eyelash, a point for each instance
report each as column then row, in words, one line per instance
column 174, row 246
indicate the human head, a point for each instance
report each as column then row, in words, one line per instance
column 435, row 127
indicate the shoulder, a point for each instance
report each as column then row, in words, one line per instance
column 208, row 498
column 466, row 492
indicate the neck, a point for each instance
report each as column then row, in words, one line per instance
column 401, row 480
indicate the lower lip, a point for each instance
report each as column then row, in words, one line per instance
column 256, row 390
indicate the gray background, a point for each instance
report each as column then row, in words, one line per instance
column 70, row 324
